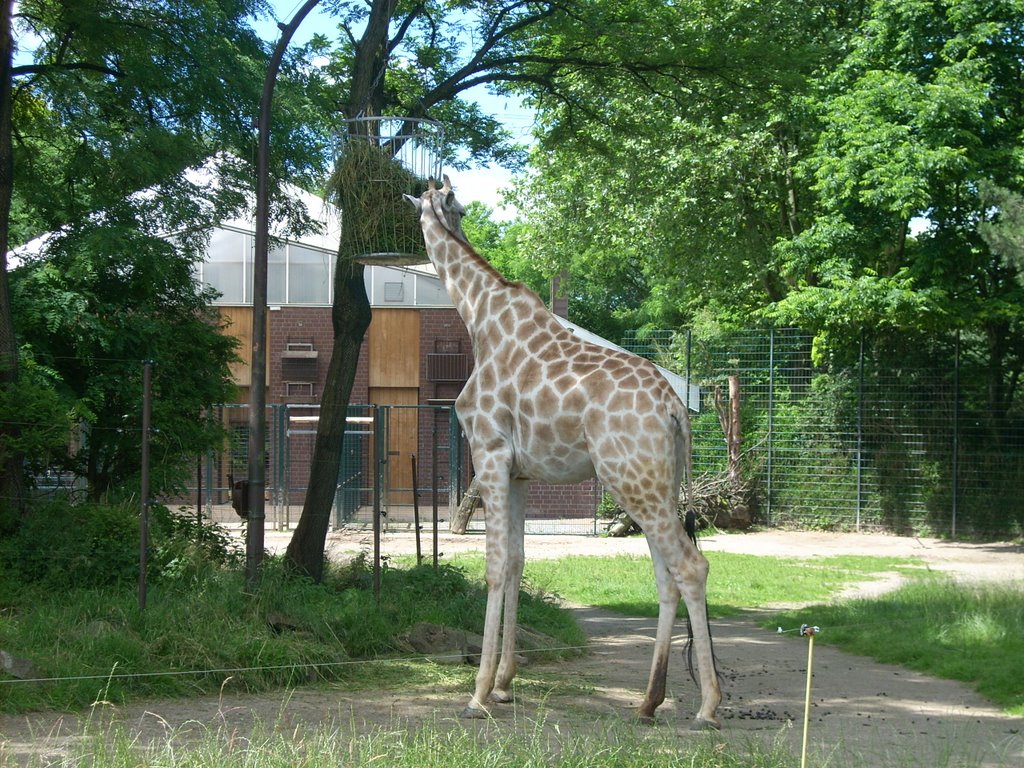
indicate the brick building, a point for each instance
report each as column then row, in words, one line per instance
column 415, row 358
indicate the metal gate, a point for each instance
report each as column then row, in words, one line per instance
column 401, row 462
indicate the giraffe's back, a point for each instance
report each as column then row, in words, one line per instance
column 560, row 401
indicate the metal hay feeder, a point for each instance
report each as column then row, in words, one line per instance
column 379, row 160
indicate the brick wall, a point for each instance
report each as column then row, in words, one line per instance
column 311, row 324
column 578, row 500
column 314, row 324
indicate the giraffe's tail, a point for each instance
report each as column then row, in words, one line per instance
column 684, row 467
column 689, row 650
column 690, row 523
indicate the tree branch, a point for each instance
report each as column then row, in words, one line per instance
column 403, row 28
column 42, row 69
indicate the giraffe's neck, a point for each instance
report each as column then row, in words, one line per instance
column 469, row 279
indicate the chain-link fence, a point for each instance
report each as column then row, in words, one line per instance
column 898, row 433
column 393, row 458
column 408, row 464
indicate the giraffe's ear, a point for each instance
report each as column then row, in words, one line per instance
column 414, row 201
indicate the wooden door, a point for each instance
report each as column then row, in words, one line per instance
column 394, row 379
column 402, row 426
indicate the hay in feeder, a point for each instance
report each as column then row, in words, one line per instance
column 378, row 226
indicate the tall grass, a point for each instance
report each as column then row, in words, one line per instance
column 537, row 743
column 968, row 632
column 208, row 635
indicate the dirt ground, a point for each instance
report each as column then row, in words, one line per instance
column 863, row 713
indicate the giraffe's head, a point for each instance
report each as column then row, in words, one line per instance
column 440, row 203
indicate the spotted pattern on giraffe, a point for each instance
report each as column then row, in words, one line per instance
column 542, row 404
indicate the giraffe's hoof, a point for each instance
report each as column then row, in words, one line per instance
column 650, row 720
column 700, row 724
column 473, row 713
column 502, row 697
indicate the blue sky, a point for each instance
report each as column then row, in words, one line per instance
column 481, row 184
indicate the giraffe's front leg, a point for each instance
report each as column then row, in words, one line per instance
column 489, row 652
column 494, row 490
column 518, row 490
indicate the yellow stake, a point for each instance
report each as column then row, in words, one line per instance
column 809, row 632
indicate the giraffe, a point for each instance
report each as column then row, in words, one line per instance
column 542, row 404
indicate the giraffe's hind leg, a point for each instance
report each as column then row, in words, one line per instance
column 668, row 603
column 681, row 571
column 689, row 568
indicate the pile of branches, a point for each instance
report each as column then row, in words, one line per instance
column 718, row 502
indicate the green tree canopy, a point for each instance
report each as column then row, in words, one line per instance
column 921, row 115
column 810, row 164
column 112, row 104
column 678, row 181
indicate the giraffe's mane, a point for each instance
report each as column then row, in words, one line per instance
column 473, row 254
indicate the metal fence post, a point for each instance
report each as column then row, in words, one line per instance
column 277, row 445
column 379, row 453
column 454, row 462
column 860, row 429
column 147, row 379
column 689, row 355
column 286, row 450
column 433, row 481
column 210, row 480
column 956, row 434
column 771, row 421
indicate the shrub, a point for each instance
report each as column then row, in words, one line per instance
column 60, row 546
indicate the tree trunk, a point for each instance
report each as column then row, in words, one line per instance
column 622, row 525
column 12, row 485
column 469, row 504
column 731, row 427
column 351, row 317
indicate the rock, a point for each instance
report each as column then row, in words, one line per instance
column 531, row 640
column 16, row 666
column 280, row 623
column 446, row 645
column 441, row 644
column 97, row 628
column 734, row 516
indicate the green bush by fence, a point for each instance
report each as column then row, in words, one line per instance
column 897, row 433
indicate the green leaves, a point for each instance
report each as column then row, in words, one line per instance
column 909, row 122
column 848, row 171
column 868, row 300
column 133, row 93
column 1003, row 229
column 107, row 297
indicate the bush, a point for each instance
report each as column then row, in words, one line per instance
column 60, row 546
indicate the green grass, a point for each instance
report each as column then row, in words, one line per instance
column 207, row 635
column 201, row 633
column 216, row 638
column 957, row 631
column 538, row 743
column 737, row 583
